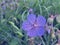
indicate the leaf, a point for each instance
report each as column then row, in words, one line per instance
column 16, row 28
column 23, row 17
column 13, row 42
column 19, row 34
column 57, row 26
column 14, row 25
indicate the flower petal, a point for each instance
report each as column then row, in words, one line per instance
column 26, row 26
column 31, row 18
column 41, row 31
column 32, row 33
column 41, row 21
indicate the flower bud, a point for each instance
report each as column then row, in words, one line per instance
column 50, row 19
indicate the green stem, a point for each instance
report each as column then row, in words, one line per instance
column 42, row 40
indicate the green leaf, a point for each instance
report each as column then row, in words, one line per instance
column 16, row 28
column 19, row 34
column 14, row 25
column 13, row 42
column 57, row 26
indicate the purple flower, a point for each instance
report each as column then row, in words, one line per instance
column 34, row 25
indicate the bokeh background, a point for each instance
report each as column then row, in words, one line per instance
column 14, row 12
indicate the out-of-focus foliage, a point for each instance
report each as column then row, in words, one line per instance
column 14, row 12
column 58, row 18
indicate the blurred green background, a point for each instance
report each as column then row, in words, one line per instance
column 14, row 12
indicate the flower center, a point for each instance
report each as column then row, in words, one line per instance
column 35, row 25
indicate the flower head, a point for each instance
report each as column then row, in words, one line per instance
column 34, row 25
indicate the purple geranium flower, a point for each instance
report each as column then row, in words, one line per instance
column 34, row 25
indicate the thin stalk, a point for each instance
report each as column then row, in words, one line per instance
column 42, row 40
